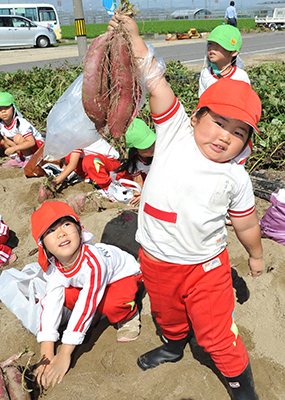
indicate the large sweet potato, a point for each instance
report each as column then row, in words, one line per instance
column 3, row 391
column 111, row 90
column 124, row 87
column 14, row 384
column 93, row 86
column 105, row 81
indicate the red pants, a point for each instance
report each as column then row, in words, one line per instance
column 118, row 302
column 5, row 253
column 35, row 148
column 98, row 168
column 182, row 295
column 4, row 238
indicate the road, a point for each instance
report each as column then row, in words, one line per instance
column 188, row 51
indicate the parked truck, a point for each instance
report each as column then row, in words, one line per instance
column 277, row 21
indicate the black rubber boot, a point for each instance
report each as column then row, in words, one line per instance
column 242, row 386
column 242, row 291
column 171, row 351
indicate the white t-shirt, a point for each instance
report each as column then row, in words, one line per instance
column 20, row 126
column 101, row 146
column 208, row 77
column 231, row 12
column 186, row 196
column 141, row 168
column 97, row 266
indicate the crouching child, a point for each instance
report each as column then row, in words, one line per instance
column 85, row 278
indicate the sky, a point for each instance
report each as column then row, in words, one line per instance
column 67, row 5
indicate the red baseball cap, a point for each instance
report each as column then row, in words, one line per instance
column 233, row 99
column 44, row 217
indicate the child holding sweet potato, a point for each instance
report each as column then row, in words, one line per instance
column 181, row 223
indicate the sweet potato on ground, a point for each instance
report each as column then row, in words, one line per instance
column 3, row 391
column 14, row 384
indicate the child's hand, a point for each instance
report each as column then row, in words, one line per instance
column 57, row 369
column 54, row 183
column 10, row 150
column 41, row 370
column 129, row 24
column 256, row 267
column 135, row 200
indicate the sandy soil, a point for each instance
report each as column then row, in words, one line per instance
column 105, row 369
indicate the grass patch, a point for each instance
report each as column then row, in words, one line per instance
column 160, row 27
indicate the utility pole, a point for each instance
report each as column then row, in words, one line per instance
column 80, row 29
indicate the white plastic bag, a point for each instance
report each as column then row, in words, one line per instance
column 21, row 292
column 118, row 192
column 68, row 127
column 54, row 170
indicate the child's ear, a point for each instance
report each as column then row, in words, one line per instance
column 193, row 119
column 234, row 53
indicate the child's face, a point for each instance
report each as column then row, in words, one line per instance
column 62, row 240
column 6, row 114
column 218, row 55
column 145, row 153
column 219, row 138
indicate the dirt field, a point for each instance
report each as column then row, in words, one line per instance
column 105, row 369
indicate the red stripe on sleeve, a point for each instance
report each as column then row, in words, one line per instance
column 27, row 134
column 92, row 296
column 42, row 310
column 160, row 118
column 240, row 214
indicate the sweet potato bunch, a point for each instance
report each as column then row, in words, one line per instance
column 110, row 89
column 12, row 381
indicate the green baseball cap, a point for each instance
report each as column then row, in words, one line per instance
column 139, row 135
column 6, row 99
column 227, row 36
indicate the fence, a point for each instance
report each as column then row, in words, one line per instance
column 101, row 17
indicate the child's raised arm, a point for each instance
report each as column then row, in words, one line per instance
column 161, row 96
column 247, row 230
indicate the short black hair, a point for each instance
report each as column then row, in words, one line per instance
column 232, row 3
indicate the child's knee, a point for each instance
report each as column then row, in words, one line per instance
column 18, row 139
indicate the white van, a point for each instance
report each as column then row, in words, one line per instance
column 20, row 31
column 42, row 14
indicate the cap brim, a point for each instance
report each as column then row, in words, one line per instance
column 233, row 113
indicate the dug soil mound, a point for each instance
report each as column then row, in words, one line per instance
column 105, row 369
